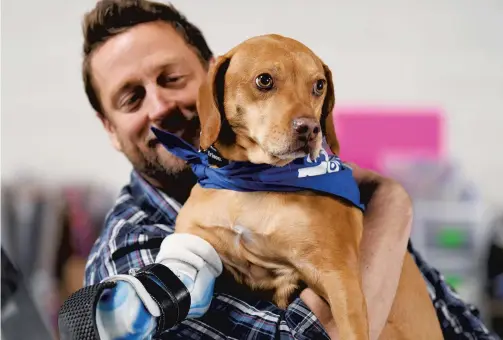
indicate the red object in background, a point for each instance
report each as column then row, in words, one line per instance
column 370, row 134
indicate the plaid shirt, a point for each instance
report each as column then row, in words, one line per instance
column 143, row 216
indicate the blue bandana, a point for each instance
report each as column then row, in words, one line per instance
column 327, row 174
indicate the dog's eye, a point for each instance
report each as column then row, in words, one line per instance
column 264, row 81
column 318, row 87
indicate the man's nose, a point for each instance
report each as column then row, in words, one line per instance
column 162, row 104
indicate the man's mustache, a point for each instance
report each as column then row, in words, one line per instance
column 176, row 121
column 178, row 124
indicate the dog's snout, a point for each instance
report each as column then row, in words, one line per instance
column 306, row 128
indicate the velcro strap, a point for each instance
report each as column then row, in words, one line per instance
column 168, row 291
column 77, row 315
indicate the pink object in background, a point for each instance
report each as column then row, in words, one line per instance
column 369, row 135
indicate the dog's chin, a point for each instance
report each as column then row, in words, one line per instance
column 280, row 154
column 293, row 153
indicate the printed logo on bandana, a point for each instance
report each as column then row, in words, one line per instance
column 326, row 166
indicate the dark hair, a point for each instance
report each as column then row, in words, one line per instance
column 111, row 17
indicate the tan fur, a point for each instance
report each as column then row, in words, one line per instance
column 272, row 241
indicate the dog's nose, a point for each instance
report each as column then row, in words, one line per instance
column 306, row 128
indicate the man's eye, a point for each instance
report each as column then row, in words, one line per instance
column 170, row 80
column 132, row 99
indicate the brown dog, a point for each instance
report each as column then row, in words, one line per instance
column 269, row 100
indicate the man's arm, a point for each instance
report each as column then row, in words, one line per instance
column 386, row 230
column 387, row 226
column 123, row 246
column 127, row 293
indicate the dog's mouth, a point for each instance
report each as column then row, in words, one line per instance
column 299, row 150
column 311, row 151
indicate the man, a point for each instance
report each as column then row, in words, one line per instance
column 143, row 64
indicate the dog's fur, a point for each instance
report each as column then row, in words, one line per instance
column 273, row 241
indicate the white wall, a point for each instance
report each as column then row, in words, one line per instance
column 434, row 52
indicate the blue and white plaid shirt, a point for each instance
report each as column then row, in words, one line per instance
column 143, row 216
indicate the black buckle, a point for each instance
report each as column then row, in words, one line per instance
column 168, row 291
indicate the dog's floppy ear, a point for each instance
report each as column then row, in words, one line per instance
column 210, row 102
column 327, row 119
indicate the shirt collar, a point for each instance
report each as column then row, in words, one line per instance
column 151, row 198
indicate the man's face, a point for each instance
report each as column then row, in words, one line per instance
column 148, row 76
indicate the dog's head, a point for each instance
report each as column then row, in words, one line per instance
column 268, row 100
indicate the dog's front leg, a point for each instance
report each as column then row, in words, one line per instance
column 328, row 262
column 340, row 285
column 347, row 303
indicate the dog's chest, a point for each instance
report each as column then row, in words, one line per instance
column 257, row 213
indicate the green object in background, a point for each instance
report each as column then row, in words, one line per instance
column 454, row 281
column 451, row 237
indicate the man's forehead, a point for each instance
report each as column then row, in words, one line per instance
column 115, row 68
column 136, row 52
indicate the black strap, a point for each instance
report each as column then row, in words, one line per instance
column 76, row 319
column 168, row 291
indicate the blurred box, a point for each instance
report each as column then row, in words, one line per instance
column 368, row 135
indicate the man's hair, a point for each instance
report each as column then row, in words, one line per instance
column 111, row 17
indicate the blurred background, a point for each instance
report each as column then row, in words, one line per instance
column 419, row 88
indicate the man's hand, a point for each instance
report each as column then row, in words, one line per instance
column 387, row 226
column 322, row 311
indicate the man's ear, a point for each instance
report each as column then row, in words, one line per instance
column 210, row 102
column 110, row 129
column 327, row 119
column 211, row 62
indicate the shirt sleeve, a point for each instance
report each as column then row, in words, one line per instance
column 458, row 319
column 123, row 246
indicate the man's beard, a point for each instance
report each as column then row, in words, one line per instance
column 157, row 167
column 160, row 165
column 157, row 164
column 169, row 173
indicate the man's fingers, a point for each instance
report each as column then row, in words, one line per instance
column 369, row 180
column 314, row 302
column 319, row 308
column 363, row 175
